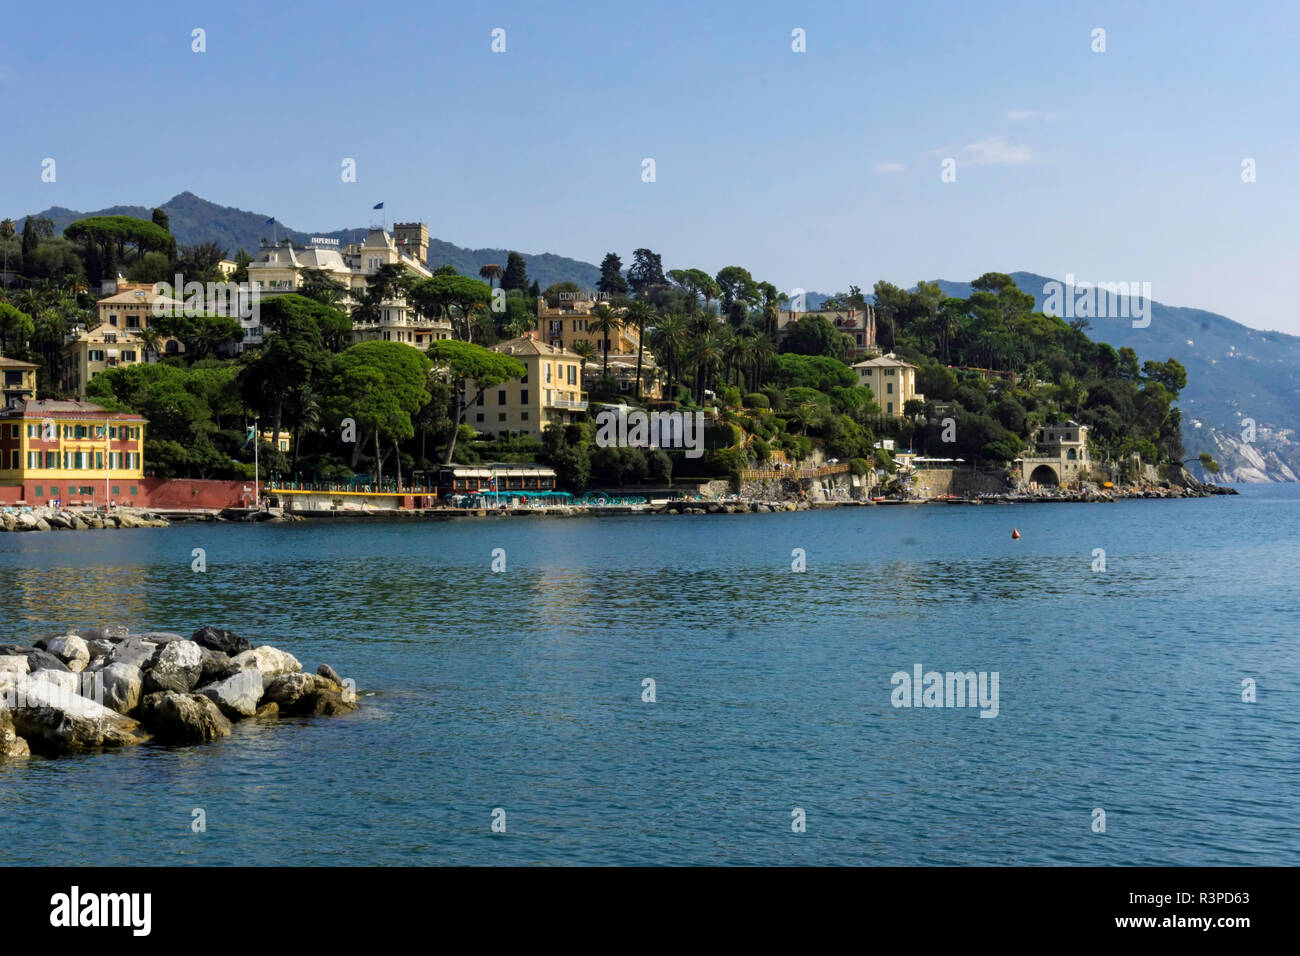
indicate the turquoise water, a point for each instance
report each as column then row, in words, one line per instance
column 522, row 690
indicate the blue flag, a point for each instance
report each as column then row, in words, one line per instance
column 377, row 205
column 271, row 221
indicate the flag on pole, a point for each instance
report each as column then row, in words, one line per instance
column 251, row 431
column 377, row 205
column 271, row 221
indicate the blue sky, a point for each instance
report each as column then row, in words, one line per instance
column 813, row 170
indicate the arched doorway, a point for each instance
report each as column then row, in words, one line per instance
column 1044, row 475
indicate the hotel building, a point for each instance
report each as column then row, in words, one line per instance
column 71, row 452
column 280, row 269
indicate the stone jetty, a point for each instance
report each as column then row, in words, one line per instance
column 75, row 519
column 108, row 687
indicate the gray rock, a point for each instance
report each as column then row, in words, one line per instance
column 11, row 745
column 65, row 681
column 330, row 674
column 44, row 660
column 177, row 668
column 70, row 649
column 218, row 639
column 271, row 661
column 308, row 695
column 54, row 722
column 214, row 667
column 14, row 664
column 99, row 647
column 109, row 632
column 238, row 695
column 135, row 652
column 160, row 637
column 122, row 686
column 183, row 718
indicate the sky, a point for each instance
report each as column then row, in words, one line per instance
column 814, row 170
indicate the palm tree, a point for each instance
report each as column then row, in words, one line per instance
column 704, row 352
column 762, row 351
column 668, row 341
column 639, row 315
column 491, row 272
column 603, row 323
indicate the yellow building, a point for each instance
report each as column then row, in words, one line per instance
column 891, row 380
column 72, row 452
column 133, row 309
column 18, row 380
column 280, row 443
column 550, row 391
column 569, row 322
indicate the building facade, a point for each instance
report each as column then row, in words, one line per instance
column 1057, row 455
column 17, row 379
column 857, row 324
column 550, row 391
column 567, row 323
column 281, row 269
column 891, row 380
column 74, row 453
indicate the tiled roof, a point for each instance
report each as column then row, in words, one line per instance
column 55, row 408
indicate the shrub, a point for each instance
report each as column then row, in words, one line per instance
column 757, row 400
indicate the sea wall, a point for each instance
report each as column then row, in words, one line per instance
column 962, row 482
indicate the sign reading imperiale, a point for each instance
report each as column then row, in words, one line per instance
column 321, row 241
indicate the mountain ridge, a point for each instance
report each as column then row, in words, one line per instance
column 194, row 220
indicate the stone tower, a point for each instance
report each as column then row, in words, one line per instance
column 412, row 238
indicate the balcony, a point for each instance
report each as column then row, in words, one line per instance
column 580, row 406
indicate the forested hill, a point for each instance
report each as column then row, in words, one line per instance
column 1233, row 372
column 194, row 220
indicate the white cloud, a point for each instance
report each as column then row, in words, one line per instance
column 996, row 151
column 886, row 168
column 1021, row 115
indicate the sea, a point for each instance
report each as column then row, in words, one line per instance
column 704, row 689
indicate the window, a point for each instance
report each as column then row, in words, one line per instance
column 117, row 490
column 524, row 380
column 523, row 416
column 128, row 355
column 501, row 416
column 573, row 375
column 501, row 396
column 33, row 459
column 13, row 460
column 99, row 460
column 480, row 417
column 523, row 396
column 38, row 491
column 548, row 373
column 54, row 492
column 95, row 355
column 480, row 398
column 889, row 409
column 51, row 459
column 133, row 490
column 33, row 431
column 889, row 388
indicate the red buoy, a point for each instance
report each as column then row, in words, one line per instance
column 1015, row 535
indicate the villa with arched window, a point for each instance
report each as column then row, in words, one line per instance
column 1058, row 455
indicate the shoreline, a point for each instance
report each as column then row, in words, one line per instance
column 72, row 519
